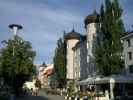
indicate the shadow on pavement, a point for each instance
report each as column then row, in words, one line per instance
column 31, row 98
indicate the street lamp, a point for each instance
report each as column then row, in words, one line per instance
column 14, row 28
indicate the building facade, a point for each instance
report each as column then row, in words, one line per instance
column 80, row 58
column 44, row 74
column 128, row 52
column 92, row 27
column 71, row 38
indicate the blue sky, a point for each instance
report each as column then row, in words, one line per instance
column 45, row 20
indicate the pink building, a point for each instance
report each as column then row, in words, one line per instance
column 44, row 74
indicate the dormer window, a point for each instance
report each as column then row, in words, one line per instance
column 128, row 42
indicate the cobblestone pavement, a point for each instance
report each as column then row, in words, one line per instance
column 32, row 98
column 55, row 97
column 42, row 95
column 47, row 97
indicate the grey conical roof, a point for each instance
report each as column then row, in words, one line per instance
column 72, row 35
column 92, row 18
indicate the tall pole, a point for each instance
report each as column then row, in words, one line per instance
column 14, row 28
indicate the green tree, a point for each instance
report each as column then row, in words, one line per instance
column 109, row 49
column 17, row 62
column 60, row 62
column 54, row 81
column 38, row 83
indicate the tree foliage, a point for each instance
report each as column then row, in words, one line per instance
column 60, row 62
column 109, row 49
column 17, row 62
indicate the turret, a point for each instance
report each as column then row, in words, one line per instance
column 92, row 27
column 71, row 39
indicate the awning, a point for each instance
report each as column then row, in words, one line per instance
column 89, row 80
column 103, row 80
column 115, row 79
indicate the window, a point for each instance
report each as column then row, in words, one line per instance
column 87, row 45
column 130, row 55
column 130, row 68
column 67, row 45
column 128, row 42
column 87, row 58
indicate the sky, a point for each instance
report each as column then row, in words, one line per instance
column 44, row 21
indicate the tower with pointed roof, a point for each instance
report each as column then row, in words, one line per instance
column 92, row 27
column 72, row 38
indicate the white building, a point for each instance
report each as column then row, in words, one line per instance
column 128, row 52
column 80, row 59
column 44, row 73
column 92, row 29
column 72, row 39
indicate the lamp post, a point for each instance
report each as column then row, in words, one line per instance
column 14, row 28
